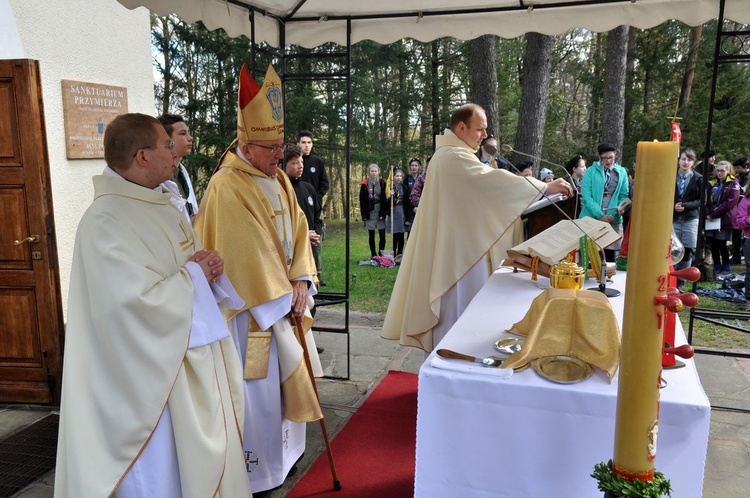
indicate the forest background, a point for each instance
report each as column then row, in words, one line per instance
column 549, row 96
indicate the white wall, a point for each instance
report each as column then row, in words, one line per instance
column 10, row 40
column 96, row 41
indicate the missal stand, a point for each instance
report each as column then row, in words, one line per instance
column 538, row 220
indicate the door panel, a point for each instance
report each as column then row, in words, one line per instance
column 15, row 349
column 12, row 203
column 31, row 322
column 9, row 153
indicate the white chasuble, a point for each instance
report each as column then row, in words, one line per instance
column 131, row 375
column 467, row 215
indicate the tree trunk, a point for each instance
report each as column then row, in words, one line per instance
column 594, row 120
column 163, row 44
column 629, row 79
column 613, row 117
column 404, row 106
column 484, row 78
column 435, row 91
column 687, row 80
column 445, row 86
column 426, row 115
column 535, row 80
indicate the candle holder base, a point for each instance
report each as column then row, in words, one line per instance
column 677, row 364
column 607, row 291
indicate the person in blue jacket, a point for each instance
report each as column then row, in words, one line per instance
column 603, row 188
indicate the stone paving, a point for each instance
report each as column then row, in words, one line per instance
column 725, row 380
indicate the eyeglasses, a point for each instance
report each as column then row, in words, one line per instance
column 274, row 150
column 170, row 146
column 721, row 171
column 607, row 158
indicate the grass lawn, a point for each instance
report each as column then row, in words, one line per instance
column 371, row 287
column 714, row 336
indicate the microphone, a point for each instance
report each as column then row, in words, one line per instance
column 507, row 148
column 609, row 292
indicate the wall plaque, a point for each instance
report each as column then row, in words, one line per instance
column 87, row 109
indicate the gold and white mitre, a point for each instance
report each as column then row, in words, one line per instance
column 260, row 109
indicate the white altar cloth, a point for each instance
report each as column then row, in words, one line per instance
column 527, row 437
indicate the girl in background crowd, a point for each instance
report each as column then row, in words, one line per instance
column 741, row 167
column 415, row 165
column 416, row 191
column 723, row 193
column 546, row 175
column 399, row 217
column 485, row 156
column 576, row 167
column 524, row 168
column 372, row 204
column 742, row 221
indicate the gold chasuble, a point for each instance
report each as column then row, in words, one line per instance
column 126, row 354
column 468, row 211
column 255, row 222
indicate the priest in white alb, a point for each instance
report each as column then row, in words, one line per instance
column 151, row 378
column 250, row 214
column 468, row 217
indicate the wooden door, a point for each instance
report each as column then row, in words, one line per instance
column 31, row 322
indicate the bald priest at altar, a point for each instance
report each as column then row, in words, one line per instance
column 468, row 217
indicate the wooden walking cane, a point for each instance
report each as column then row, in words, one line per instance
column 299, row 329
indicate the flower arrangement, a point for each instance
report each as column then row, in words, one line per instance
column 615, row 486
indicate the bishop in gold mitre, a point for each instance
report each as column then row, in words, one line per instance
column 250, row 214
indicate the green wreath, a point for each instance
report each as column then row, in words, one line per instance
column 620, row 487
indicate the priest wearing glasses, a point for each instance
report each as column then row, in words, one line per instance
column 250, row 213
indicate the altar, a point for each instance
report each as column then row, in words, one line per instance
column 481, row 436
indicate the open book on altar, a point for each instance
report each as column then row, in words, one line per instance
column 555, row 243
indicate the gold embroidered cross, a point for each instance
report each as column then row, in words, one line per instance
column 285, row 243
column 281, row 213
column 189, row 241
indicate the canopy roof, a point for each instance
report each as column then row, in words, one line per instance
column 313, row 22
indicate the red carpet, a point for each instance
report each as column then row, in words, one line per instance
column 374, row 452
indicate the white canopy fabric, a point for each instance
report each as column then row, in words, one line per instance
column 310, row 23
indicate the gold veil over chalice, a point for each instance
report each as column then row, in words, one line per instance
column 567, row 321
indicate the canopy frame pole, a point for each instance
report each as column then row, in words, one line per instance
column 706, row 314
column 322, row 299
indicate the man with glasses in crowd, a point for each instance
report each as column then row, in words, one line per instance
column 250, row 214
column 603, row 188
